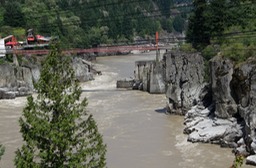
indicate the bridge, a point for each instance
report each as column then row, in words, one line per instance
column 108, row 49
column 9, row 45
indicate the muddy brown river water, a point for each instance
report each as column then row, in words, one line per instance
column 134, row 125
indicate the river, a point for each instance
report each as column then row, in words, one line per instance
column 134, row 125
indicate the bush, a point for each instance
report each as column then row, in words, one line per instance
column 187, row 47
column 235, row 51
column 209, row 52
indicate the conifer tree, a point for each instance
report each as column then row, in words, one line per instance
column 57, row 130
column 198, row 29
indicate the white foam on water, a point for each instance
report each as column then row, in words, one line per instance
column 167, row 153
column 18, row 101
column 106, row 81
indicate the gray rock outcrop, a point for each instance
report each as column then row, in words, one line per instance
column 149, row 76
column 19, row 80
column 222, row 94
column 184, row 76
column 15, row 81
column 217, row 121
column 202, row 126
column 82, row 69
column 244, row 84
column 222, row 111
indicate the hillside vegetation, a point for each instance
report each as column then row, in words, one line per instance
column 227, row 27
column 86, row 23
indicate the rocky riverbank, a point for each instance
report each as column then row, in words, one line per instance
column 221, row 110
column 18, row 79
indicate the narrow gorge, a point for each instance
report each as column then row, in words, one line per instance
column 219, row 106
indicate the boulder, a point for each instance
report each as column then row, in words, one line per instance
column 82, row 69
column 5, row 93
column 251, row 160
column 202, row 127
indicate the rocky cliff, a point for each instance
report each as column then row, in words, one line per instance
column 18, row 80
column 222, row 111
column 184, row 77
column 149, row 76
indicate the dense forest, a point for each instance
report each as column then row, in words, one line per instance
column 86, row 23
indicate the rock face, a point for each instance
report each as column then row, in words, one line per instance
column 221, row 75
column 244, row 83
column 82, row 70
column 149, row 76
column 203, row 126
column 19, row 80
column 15, row 81
column 184, row 76
column 222, row 111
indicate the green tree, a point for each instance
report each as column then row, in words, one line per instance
column 179, row 24
column 167, row 24
column 2, row 149
column 13, row 15
column 198, row 30
column 165, row 6
column 57, row 130
column 218, row 17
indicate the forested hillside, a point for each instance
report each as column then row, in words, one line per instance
column 86, row 23
column 228, row 27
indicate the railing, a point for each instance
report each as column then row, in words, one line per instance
column 110, row 49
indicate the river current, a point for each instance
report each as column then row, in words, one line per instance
column 134, row 125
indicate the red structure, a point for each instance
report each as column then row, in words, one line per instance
column 11, row 41
column 114, row 49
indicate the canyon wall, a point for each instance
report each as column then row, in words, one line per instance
column 219, row 106
column 18, row 80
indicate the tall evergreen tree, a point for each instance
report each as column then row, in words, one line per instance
column 179, row 24
column 13, row 15
column 218, row 17
column 57, row 130
column 198, row 30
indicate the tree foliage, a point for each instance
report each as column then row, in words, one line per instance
column 55, row 126
column 13, row 15
column 2, row 149
column 228, row 24
column 179, row 24
column 197, row 32
column 165, row 6
column 73, row 21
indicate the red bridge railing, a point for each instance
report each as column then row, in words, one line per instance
column 90, row 50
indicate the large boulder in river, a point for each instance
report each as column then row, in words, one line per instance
column 184, row 76
column 82, row 69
